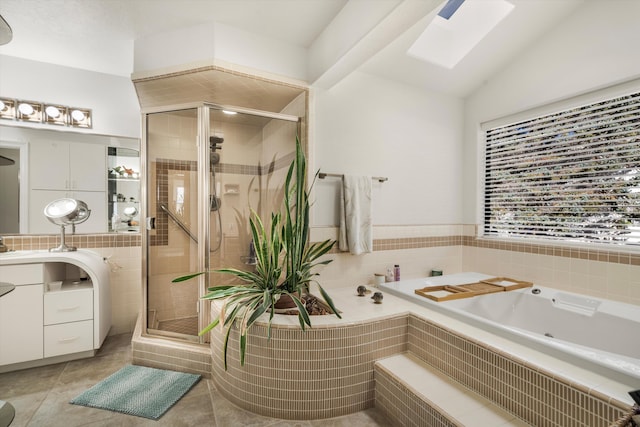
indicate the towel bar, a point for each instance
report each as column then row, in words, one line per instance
column 323, row 175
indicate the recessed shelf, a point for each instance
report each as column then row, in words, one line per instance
column 125, row 179
column 231, row 189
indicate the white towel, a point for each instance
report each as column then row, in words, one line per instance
column 356, row 232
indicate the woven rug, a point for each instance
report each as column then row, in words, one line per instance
column 138, row 390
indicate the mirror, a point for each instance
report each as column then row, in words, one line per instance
column 47, row 165
column 123, row 189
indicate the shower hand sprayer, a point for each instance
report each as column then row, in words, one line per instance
column 215, row 143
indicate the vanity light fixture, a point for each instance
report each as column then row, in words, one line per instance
column 80, row 117
column 55, row 114
column 7, row 108
column 29, row 111
column 52, row 114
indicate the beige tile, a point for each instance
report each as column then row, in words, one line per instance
column 487, row 416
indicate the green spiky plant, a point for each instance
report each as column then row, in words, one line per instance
column 285, row 264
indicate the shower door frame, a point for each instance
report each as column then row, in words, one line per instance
column 203, row 171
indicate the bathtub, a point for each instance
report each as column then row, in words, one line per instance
column 597, row 334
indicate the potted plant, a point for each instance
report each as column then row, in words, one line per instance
column 285, row 264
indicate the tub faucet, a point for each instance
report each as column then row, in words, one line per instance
column 3, row 247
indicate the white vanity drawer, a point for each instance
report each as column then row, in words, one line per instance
column 68, row 338
column 21, row 274
column 68, row 306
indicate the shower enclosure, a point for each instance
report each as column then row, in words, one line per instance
column 204, row 169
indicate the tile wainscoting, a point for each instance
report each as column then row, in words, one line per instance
column 601, row 273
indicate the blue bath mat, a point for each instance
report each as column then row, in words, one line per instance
column 138, row 390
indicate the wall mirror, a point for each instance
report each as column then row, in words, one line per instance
column 42, row 165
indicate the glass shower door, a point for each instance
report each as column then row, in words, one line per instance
column 172, row 223
column 205, row 170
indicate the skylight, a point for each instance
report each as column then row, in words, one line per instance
column 446, row 41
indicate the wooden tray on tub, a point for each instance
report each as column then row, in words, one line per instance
column 489, row 286
column 507, row 283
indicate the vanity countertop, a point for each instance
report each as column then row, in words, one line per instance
column 82, row 256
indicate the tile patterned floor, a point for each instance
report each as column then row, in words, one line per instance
column 41, row 396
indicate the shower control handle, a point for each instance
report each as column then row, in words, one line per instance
column 151, row 223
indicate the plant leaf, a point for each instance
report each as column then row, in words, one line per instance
column 187, row 277
column 303, row 316
column 329, row 301
column 226, row 345
column 243, row 347
column 210, row 326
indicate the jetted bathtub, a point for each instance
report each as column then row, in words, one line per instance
column 597, row 334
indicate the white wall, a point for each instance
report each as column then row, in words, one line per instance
column 595, row 47
column 367, row 125
column 111, row 98
column 219, row 43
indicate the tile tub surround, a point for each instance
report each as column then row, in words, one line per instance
column 534, row 394
column 325, row 371
column 328, row 370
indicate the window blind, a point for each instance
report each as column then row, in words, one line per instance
column 572, row 175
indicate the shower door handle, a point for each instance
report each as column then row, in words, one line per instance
column 151, row 223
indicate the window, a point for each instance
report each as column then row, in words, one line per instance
column 573, row 175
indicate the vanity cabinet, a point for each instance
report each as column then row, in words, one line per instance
column 68, row 319
column 77, row 166
column 41, row 325
column 21, row 315
column 59, row 169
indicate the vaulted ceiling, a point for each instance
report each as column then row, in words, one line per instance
column 339, row 36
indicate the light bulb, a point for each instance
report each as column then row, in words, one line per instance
column 25, row 109
column 77, row 115
column 52, row 112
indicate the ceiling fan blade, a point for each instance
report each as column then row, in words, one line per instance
column 5, row 161
column 6, row 34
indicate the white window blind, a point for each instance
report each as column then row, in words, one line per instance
column 572, row 175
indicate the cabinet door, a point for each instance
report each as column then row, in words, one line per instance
column 88, row 167
column 49, row 165
column 97, row 202
column 38, row 199
column 21, row 330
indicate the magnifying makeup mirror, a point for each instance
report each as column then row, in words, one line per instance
column 65, row 212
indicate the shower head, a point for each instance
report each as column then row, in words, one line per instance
column 215, row 143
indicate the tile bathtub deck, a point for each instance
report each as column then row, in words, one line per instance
column 41, row 395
